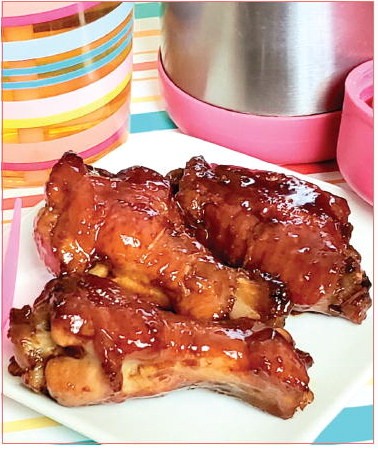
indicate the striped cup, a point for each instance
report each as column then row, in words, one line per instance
column 66, row 83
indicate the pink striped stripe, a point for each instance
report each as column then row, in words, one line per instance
column 84, row 154
column 149, row 65
column 47, row 16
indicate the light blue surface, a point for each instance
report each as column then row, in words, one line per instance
column 150, row 121
column 351, row 425
column 146, row 10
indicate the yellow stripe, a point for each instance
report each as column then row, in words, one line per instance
column 146, row 52
column 28, row 424
column 370, row 382
column 145, row 99
column 149, row 78
column 66, row 116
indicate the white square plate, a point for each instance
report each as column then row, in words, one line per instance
column 342, row 351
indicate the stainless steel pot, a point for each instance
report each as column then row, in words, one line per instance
column 266, row 58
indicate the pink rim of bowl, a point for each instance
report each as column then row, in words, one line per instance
column 280, row 140
column 355, row 152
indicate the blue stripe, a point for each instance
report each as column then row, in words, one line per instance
column 150, row 121
column 145, row 10
column 71, row 75
column 81, row 442
column 44, row 68
column 351, row 425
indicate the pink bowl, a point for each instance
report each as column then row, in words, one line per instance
column 280, row 140
column 355, row 145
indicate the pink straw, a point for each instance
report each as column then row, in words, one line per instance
column 10, row 262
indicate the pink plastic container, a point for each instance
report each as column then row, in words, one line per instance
column 355, row 152
column 280, row 140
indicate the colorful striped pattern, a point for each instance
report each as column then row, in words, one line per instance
column 21, row 425
column 67, row 90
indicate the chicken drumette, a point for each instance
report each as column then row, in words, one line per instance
column 279, row 224
column 128, row 227
column 86, row 340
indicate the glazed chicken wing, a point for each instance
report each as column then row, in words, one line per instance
column 128, row 227
column 281, row 225
column 88, row 341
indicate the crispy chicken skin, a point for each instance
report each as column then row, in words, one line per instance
column 128, row 227
column 87, row 340
column 281, row 225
